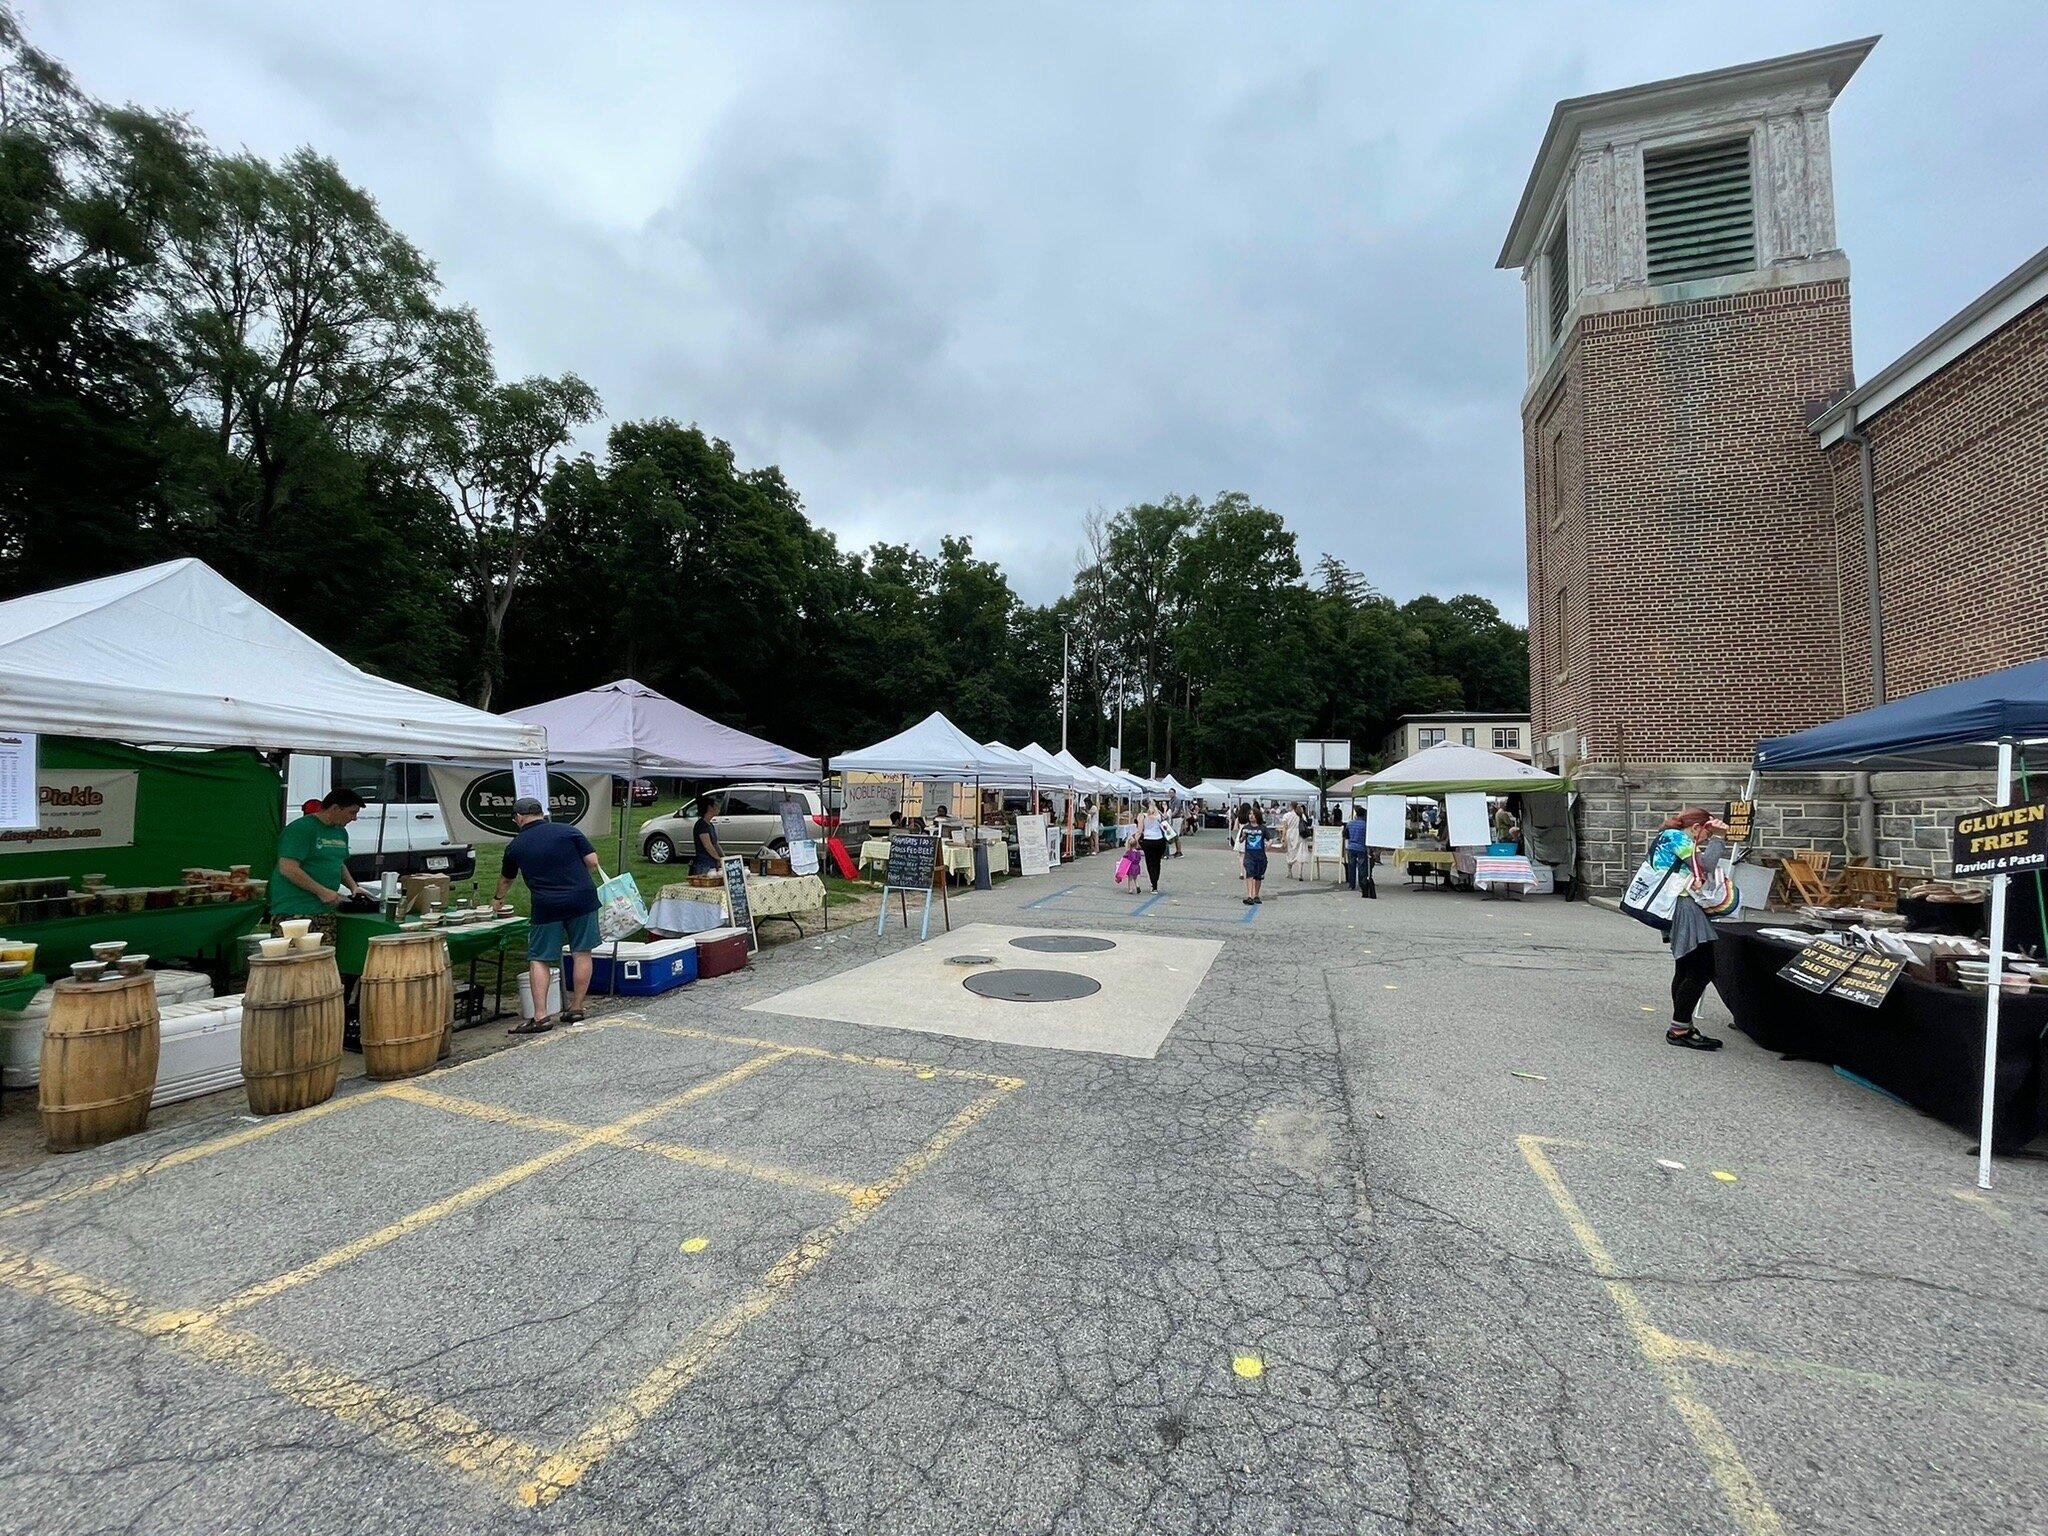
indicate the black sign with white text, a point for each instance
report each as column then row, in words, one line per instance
column 2002, row 840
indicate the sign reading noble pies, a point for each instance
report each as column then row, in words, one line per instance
column 2002, row 840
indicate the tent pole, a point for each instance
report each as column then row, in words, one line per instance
column 1996, row 975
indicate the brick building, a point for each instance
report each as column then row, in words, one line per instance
column 1694, row 448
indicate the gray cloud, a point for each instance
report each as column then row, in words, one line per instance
column 982, row 270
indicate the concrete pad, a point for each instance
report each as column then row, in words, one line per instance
column 1146, row 985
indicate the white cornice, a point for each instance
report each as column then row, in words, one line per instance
column 1820, row 71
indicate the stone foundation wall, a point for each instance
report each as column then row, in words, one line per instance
column 1620, row 810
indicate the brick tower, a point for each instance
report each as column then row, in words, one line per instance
column 1687, row 310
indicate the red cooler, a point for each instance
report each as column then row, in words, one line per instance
column 721, row 951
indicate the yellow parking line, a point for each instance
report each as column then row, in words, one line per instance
column 619, row 1423
column 1672, row 1347
column 405, row 1422
column 483, row 1189
column 269, row 1127
column 887, row 1063
column 699, row 1157
column 1744, row 1496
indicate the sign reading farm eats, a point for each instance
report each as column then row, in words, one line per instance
column 2002, row 840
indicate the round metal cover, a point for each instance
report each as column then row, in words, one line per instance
column 1032, row 986
column 970, row 959
column 1063, row 943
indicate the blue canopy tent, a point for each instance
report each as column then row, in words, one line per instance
column 1975, row 723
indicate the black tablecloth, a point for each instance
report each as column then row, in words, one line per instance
column 1925, row 1044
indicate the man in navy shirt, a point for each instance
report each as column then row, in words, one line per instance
column 1357, row 860
column 558, row 863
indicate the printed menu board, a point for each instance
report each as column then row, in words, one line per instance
column 1821, row 964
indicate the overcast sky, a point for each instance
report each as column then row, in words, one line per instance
column 982, row 267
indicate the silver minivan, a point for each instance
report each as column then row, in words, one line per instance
column 749, row 820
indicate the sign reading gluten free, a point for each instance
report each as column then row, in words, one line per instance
column 2002, row 840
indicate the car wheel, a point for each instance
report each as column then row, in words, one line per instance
column 660, row 850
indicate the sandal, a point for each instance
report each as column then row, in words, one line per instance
column 1691, row 1039
column 572, row 1016
column 531, row 1027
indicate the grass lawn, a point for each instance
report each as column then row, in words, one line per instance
column 651, row 877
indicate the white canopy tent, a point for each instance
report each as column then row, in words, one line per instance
column 934, row 748
column 1054, row 772
column 1027, row 774
column 627, row 728
column 1096, row 781
column 1450, row 768
column 1216, row 791
column 176, row 655
column 1276, row 784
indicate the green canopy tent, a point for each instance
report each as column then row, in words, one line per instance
column 1450, row 768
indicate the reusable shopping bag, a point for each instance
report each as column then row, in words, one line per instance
column 620, row 911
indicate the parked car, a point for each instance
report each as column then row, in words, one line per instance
column 639, row 792
column 749, row 820
column 401, row 827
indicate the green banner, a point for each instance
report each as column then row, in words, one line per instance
column 204, row 809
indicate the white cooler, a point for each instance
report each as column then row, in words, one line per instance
column 202, row 1049
column 21, row 1034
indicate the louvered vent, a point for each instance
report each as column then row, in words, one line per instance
column 1558, row 265
column 1698, row 211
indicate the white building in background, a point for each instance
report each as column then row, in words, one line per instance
column 1487, row 730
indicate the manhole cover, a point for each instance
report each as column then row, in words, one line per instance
column 1032, row 986
column 1511, row 962
column 1063, row 943
column 970, row 959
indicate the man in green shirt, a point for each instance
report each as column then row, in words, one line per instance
column 312, row 859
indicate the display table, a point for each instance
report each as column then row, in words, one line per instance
column 874, row 851
column 686, row 909
column 1509, row 871
column 163, row 933
column 1422, row 865
column 959, row 860
column 1925, row 1043
column 466, row 942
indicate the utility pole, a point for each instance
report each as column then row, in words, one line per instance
column 1063, row 690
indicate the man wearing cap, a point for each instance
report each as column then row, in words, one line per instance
column 558, row 863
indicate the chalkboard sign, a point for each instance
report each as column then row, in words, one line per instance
column 913, row 860
column 1821, row 964
column 1869, row 979
column 737, row 906
column 795, row 816
column 2002, row 840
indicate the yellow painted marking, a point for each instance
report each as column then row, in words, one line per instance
column 619, row 1423
column 926, row 1074
column 1675, row 1348
column 1248, row 1366
column 269, row 1127
column 1724, row 1176
column 401, row 1420
column 1984, row 1203
column 482, row 1190
column 696, row 1244
column 611, row 1135
column 887, row 1063
column 1391, row 986
column 1647, row 1008
column 1745, row 1497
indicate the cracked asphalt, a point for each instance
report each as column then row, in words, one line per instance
column 1380, row 1241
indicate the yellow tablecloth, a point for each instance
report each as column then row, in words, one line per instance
column 768, row 895
column 959, row 857
column 874, row 851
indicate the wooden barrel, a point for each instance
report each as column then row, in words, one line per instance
column 406, row 1003
column 448, row 1033
column 291, row 1030
column 99, row 1061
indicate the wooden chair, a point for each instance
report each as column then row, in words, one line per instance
column 1864, row 885
column 1806, row 877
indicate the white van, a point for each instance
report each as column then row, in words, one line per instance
column 401, row 827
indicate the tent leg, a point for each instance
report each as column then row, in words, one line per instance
column 1997, row 976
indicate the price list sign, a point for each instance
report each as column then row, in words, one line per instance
column 1820, row 965
column 913, row 860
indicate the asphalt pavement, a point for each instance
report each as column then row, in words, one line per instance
column 1412, row 1223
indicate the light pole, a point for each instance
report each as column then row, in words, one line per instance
column 1063, row 690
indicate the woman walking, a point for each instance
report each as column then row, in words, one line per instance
column 1152, row 839
column 1699, row 838
column 1302, row 844
column 1252, row 838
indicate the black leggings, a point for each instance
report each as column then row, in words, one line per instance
column 1689, row 984
column 1154, row 849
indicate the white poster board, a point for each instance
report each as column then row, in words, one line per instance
column 1386, row 821
column 1031, row 846
column 943, row 799
column 18, row 781
column 1329, row 844
column 530, row 778
column 78, row 808
column 803, row 856
column 1467, row 818
column 871, row 800
column 1319, row 753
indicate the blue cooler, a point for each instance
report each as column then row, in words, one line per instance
column 642, row 969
